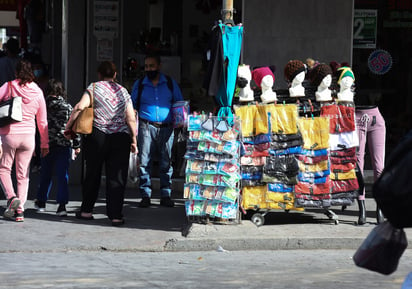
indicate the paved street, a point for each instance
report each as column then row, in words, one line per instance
column 158, row 247
column 303, row 269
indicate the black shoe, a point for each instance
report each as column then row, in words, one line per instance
column 167, row 202
column 362, row 212
column 40, row 206
column 61, row 211
column 145, row 202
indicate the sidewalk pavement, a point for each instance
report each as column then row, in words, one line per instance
column 168, row 229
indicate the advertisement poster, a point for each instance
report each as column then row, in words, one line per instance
column 104, row 49
column 365, row 28
column 106, row 19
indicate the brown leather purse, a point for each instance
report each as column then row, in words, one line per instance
column 84, row 122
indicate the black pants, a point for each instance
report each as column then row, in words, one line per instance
column 112, row 151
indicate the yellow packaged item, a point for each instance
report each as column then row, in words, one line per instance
column 318, row 167
column 262, row 118
column 343, row 176
column 280, row 206
column 278, row 197
column 246, row 114
column 284, row 118
column 315, row 132
column 253, row 197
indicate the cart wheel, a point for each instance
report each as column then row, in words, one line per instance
column 258, row 219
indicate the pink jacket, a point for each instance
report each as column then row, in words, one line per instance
column 33, row 108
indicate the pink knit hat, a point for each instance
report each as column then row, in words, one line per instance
column 259, row 73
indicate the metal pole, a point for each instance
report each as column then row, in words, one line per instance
column 227, row 10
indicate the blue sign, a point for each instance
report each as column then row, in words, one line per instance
column 380, row 62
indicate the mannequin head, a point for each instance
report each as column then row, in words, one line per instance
column 244, row 77
column 243, row 71
column 345, row 80
column 264, row 79
column 295, row 72
column 299, row 78
column 259, row 73
column 345, row 73
column 292, row 69
column 267, row 82
column 323, row 93
column 318, row 73
column 326, row 81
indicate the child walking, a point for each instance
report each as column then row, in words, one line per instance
column 60, row 149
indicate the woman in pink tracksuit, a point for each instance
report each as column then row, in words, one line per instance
column 18, row 138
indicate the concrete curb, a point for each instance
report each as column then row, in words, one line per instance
column 253, row 244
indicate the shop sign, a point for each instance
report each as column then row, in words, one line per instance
column 365, row 28
column 399, row 4
column 8, row 5
column 380, row 61
column 398, row 19
column 106, row 19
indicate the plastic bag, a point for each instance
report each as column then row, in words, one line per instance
column 382, row 249
column 180, row 113
column 133, row 167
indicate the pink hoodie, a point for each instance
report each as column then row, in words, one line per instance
column 33, row 107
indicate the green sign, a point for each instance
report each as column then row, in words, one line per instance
column 364, row 28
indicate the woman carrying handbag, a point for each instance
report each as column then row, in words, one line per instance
column 18, row 138
column 109, row 144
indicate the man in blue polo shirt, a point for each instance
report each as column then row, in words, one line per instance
column 153, row 97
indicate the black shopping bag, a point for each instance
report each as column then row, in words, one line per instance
column 382, row 249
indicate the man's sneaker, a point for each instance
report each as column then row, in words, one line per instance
column 12, row 205
column 167, row 202
column 20, row 217
column 145, row 202
column 61, row 211
column 40, row 206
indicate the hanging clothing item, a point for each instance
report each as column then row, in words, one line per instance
column 284, row 119
column 341, row 117
column 315, row 132
column 320, row 166
column 343, row 140
column 350, row 175
column 220, row 81
column 247, row 115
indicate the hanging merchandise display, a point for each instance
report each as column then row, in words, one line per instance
column 220, row 81
column 342, row 145
column 313, row 187
column 268, row 166
column 212, row 183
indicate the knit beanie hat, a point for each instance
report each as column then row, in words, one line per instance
column 343, row 72
column 318, row 73
column 293, row 68
column 259, row 73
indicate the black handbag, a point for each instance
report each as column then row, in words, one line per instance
column 11, row 109
column 393, row 189
column 382, row 249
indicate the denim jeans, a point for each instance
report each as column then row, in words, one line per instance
column 154, row 141
column 56, row 162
